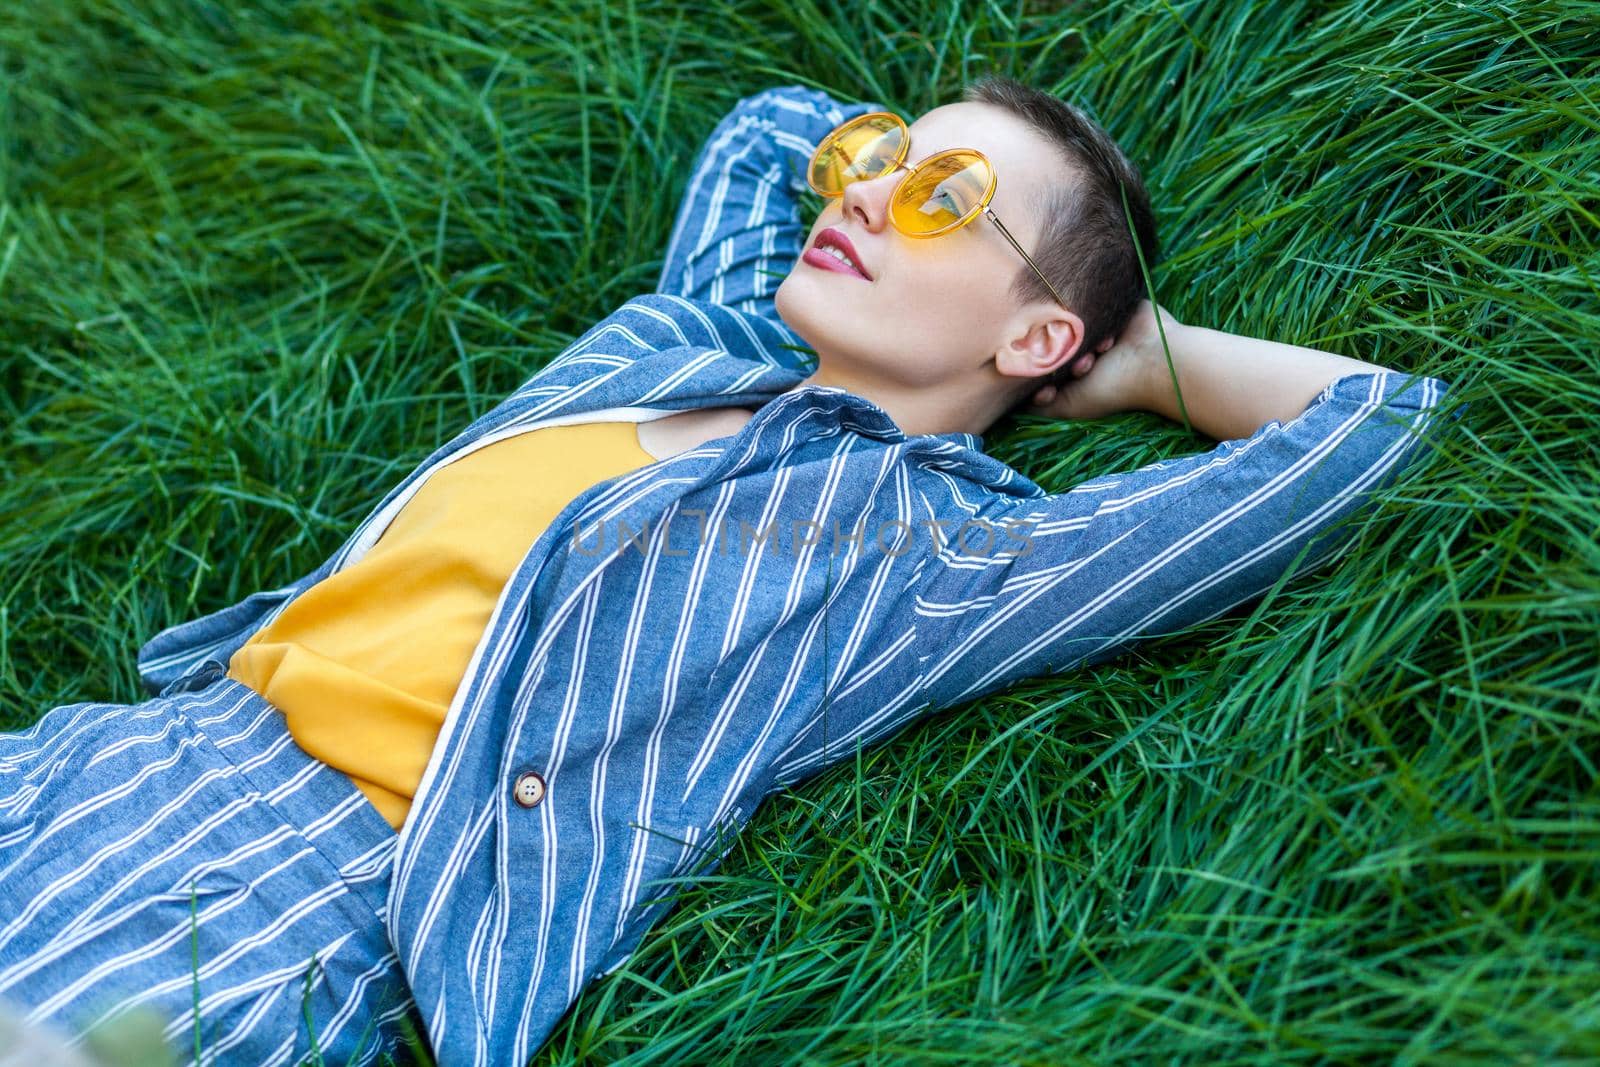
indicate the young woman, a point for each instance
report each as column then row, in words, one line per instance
column 458, row 768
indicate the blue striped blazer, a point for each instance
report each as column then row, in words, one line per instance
column 688, row 638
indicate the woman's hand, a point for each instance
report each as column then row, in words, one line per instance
column 1116, row 376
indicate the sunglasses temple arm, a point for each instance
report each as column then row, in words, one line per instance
column 996, row 220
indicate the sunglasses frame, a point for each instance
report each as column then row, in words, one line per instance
column 899, row 163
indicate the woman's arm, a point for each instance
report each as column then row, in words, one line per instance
column 1229, row 385
column 1232, row 385
column 1307, row 437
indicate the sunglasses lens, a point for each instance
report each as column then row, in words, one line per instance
column 947, row 190
column 865, row 147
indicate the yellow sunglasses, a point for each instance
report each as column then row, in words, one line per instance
column 937, row 196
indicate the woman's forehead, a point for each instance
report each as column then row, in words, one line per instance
column 994, row 131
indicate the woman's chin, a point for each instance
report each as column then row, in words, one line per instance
column 801, row 308
column 813, row 294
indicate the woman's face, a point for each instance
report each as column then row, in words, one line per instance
column 933, row 310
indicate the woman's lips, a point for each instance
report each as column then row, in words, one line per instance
column 827, row 261
column 849, row 260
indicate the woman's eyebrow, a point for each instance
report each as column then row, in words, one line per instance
column 952, row 148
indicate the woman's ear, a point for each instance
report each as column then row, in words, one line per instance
column 1041, row 342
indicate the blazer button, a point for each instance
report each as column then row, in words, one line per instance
column 529, row 789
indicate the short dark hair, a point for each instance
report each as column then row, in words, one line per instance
column 1084, row 247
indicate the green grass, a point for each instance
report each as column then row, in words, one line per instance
column 255, row 266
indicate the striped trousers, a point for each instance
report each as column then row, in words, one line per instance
column 183, row 858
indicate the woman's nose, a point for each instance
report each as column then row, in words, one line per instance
column 867, row 200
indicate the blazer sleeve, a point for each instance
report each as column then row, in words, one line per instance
column 1077, row 577
column 738, row 230
column 175, row 652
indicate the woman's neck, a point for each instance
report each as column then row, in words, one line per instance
column 940, row 409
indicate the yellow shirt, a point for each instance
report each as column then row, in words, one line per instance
column 364, row 663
